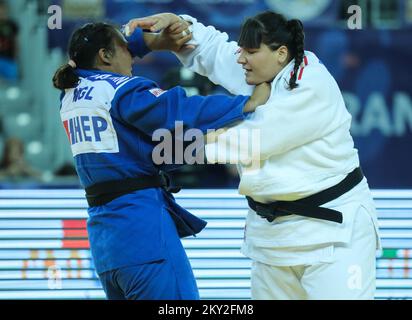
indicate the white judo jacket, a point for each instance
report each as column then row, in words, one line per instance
column 303, row 147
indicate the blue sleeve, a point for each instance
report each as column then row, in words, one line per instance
column 149, row 111
column 136, row 44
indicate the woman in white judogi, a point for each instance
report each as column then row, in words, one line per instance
column 304, row 147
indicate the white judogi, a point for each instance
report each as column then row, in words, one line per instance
column 305, row 147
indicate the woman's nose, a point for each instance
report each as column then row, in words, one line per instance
column 241, row 58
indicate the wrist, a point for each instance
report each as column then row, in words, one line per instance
column 139, row 43
column 250, row 106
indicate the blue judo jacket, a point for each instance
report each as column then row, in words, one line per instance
column 109, row 120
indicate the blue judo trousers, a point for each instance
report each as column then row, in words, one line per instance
column 135, row 238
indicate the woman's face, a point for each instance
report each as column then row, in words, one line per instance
column 121, row 61
column 262, row 64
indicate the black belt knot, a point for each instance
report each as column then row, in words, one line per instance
column 270, row 212
column 104, row 192
column 309, row 206
column 168, row 184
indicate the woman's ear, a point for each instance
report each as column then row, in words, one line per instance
column 283, row 54
column 105, row 56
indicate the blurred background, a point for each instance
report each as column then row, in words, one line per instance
column 371, row 65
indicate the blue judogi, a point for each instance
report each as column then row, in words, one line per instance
column 110, row 120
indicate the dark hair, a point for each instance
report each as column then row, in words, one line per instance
column 275, row 30
column 84, row 45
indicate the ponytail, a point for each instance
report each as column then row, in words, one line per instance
column 84, row 46
column 65, row 77
column 295, row 27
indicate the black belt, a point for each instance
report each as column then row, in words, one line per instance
column 309, row 206
column 104, row 192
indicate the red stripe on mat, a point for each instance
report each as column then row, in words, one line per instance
column 75, row 233
column 83, row 244
column 74, row 224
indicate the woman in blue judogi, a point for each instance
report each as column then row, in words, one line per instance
column 110, row 116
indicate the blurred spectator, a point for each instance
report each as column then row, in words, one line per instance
column 66, row 170
column 87, row 9
column 13, row 166
column 8, row 45
column 65, row 176
column 408, row 13
column 43, row 5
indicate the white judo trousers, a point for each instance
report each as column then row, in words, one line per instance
column 349, row 275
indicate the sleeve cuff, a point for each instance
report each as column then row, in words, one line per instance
column 188, row 18
column 193, row 28
column 136, row 44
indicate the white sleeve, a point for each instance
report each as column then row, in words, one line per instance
column 312, row 110
column 215, row 57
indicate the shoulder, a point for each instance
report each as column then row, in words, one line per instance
column 132, row 85
column 119, row 85
column 115, row 81
column 312, row 74
column 315, row 68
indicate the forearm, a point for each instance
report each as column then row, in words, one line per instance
column 140, row 43
column 251, row 105
column 214, row 56
column 165, row 31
